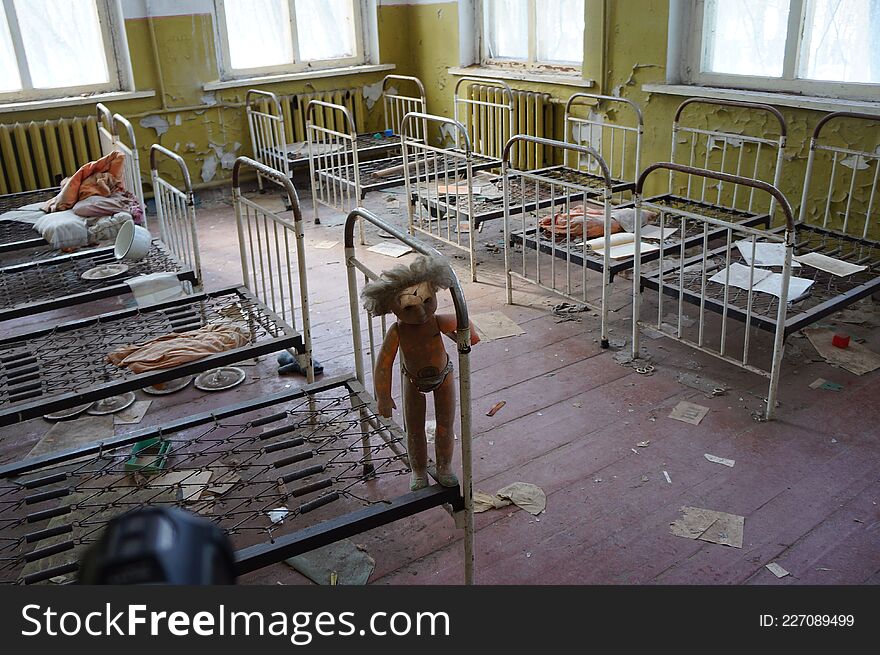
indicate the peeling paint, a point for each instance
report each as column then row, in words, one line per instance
column 209, row 168
column 157, row 123
column 209, row 98
column 372, row 93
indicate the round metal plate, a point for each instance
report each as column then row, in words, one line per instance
column 67, row 413
column 220, row 379
column 112, row 404
column 169, row 387
column 104, row 271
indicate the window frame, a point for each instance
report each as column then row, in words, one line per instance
column 228, row 73
column 532, row 64
column 693, row 53
column 119, row 76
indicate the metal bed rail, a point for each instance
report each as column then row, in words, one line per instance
column 554, row 271
column 750, row 156
column 728, row 343
column 396, row 105
column 266, row 240
column 126, row 143
column 487, row 119
column 612, row 140
column 266, row 127
column 431, row 175
column 333, row 159
column 176, row 211
column 354, row 267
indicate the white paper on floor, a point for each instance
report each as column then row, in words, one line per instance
column 324, row 245
column 766, row 254
column 390, row 249
column 133, row 414
column 709, row 525
column 688, row 412
column 495, row 325
column 855, row 358
column 828, row 264
column 720, row 460
column 777, row 570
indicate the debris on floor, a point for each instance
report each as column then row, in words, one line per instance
column 496, row 325
column 720, row 460
column 390, row 249
column 190, row 484
column 524, row 495
column 777, row 570
column 856, row 358
column 278, row 514
column 822, row 383
column 709, row 525
column 132, row 414
column 69, row 434
column 325, row 245
column 708, row 386
column 644, row 444
column 341, row 563
column 688, row 412
column 666, row 475
column 496, row 407
column 567, row 311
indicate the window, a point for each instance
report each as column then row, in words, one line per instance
column 533, row 33
column 51, row 49
column 280, row 36
column 819, row 47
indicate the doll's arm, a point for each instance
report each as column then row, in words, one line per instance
column 448, row 325
column 382, row 375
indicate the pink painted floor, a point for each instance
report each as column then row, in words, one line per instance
column 807, row 483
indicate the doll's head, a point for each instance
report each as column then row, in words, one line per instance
column 409, row 292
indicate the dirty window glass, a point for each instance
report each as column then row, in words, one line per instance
column 9, row 79
column 560, row 31
column 507, row 29
column 745, row 37
column 258, row 33
column 63, row 43
column 842, row 41
column 325, row 29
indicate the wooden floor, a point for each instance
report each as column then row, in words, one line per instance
column 807, row 483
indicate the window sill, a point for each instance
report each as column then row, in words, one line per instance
column 299, row 75
column 50, row 103
column 779, row 99
column 522, row 76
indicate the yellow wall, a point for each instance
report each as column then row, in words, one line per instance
column 420, row 39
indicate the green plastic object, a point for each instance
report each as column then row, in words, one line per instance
column 148, row 456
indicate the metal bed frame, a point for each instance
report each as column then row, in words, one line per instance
column 850, row 236
column 725, row 151
column 47, row 284
column 687, row 279
column 266, row 123
column 521, row 216
column 323, row 450
column 15, row 235
column 64, row 366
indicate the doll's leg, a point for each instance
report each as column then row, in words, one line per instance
column 416, row 441
column 444, row 440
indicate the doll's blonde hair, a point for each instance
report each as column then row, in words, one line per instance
column 380, row 295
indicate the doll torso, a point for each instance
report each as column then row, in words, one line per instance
column 423, row 356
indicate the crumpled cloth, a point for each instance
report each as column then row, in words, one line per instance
column 579, row 221
column 179, row 348
column 63, row 230
column 97, row 178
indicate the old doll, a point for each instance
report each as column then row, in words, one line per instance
column 410, row 293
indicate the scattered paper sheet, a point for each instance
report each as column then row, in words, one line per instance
column 191, row 483
column 496, row 325
column 828, row 264
column 762, row 280
column 822, row 383
column 709, row 525
column 617, row 239
column 766, row 254
column 341, row 563
column 720, row 460
column 666, row 475
column 653, row 232
column 687, row 412
column 69, row 434
column 629, row 250
column 325, row 245
column 459, row 189
column 390, row 249
column 132, row 414
column 155, row 288
column 777, row 570
column 528, row 496
column 223, row 482
column 278, row 514
column 484, row 501
column 856, row 358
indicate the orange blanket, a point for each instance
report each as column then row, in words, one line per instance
column 176, row 348
column 97, row 178
column 589, row 223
